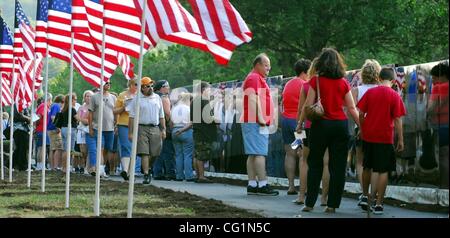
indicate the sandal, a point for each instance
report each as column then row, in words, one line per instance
column 307, row 209
column 296, row 201
column 330, row 210
column 292, row 192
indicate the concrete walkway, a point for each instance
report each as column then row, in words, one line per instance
column 279, row 206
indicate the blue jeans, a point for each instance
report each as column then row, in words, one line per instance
column 91, row 142
column 125, row 144
column 184, row 149
column 164, row 164
column 125, row 147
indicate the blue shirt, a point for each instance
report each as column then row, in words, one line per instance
column 54, row 109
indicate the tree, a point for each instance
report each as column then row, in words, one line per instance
column 406, row 29
column 392, row 31
column 60, row 83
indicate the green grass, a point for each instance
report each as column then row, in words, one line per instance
column 16, row 200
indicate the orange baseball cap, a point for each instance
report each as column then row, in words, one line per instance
column 146, row 81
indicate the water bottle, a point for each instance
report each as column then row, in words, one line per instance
column 298, row 142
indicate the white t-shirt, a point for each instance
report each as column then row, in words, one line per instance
column 181, row 114
column 151, row 109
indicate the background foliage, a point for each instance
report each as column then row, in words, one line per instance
column 392, row 31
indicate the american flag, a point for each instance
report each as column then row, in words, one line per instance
column 126, row 65
column 6, row 61
column 22, row 89
column 41, row 27
column 6, row 48
column 400, row 78
column 122, row 23
column 24, row 34
column 221, row 25
column 170, row 21
column 87, row 21
column 6, row 93
column 87, row 57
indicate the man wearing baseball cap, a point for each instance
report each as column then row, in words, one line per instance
column 152, row 126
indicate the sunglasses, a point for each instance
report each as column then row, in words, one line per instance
column 147, row 86
column 108, row 83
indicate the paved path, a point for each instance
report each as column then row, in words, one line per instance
column 280, row 206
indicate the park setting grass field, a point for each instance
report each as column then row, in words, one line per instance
column 16, row 200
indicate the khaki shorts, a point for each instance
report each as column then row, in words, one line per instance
column 149, row 141
column 56, row 142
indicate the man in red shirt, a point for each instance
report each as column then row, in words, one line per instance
column 291, row 95
column 40, row 128
column 438, row 109
column 258, row 111
column 381, row 109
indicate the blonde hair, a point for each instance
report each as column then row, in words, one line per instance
column 370, row 71
column 131, row 82
column 85, row 93
column 312, row 69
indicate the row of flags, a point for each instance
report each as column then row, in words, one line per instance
column 215, row 27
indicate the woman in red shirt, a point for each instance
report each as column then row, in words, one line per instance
column 305, row 124
column 291, row 95
column 331, row 131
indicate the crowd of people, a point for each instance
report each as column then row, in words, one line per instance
column 242, row 129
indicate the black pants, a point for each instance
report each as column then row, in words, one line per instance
column 334, row 136
column 20, row 155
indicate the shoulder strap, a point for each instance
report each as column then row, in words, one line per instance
column 318, row 89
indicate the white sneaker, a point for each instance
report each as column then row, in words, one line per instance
column 102, row 172
column 350, row 173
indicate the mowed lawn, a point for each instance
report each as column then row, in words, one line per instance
column 17, row 200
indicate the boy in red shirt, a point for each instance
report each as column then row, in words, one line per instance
column 381, row 109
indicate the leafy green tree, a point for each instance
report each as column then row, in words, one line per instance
column 392, row 31
column 60, row 83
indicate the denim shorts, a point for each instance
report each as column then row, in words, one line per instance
column 107, row 139
column 288, row 126
column 64, row 134
column 39, row 139
column 256, row 139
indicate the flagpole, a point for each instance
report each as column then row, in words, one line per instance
column 69, row 124
column 100, row 128
column 1, row 129
column 11, row 123
column 136, row 118
column 44, row 132
column 1, row 124
column 30, row 141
